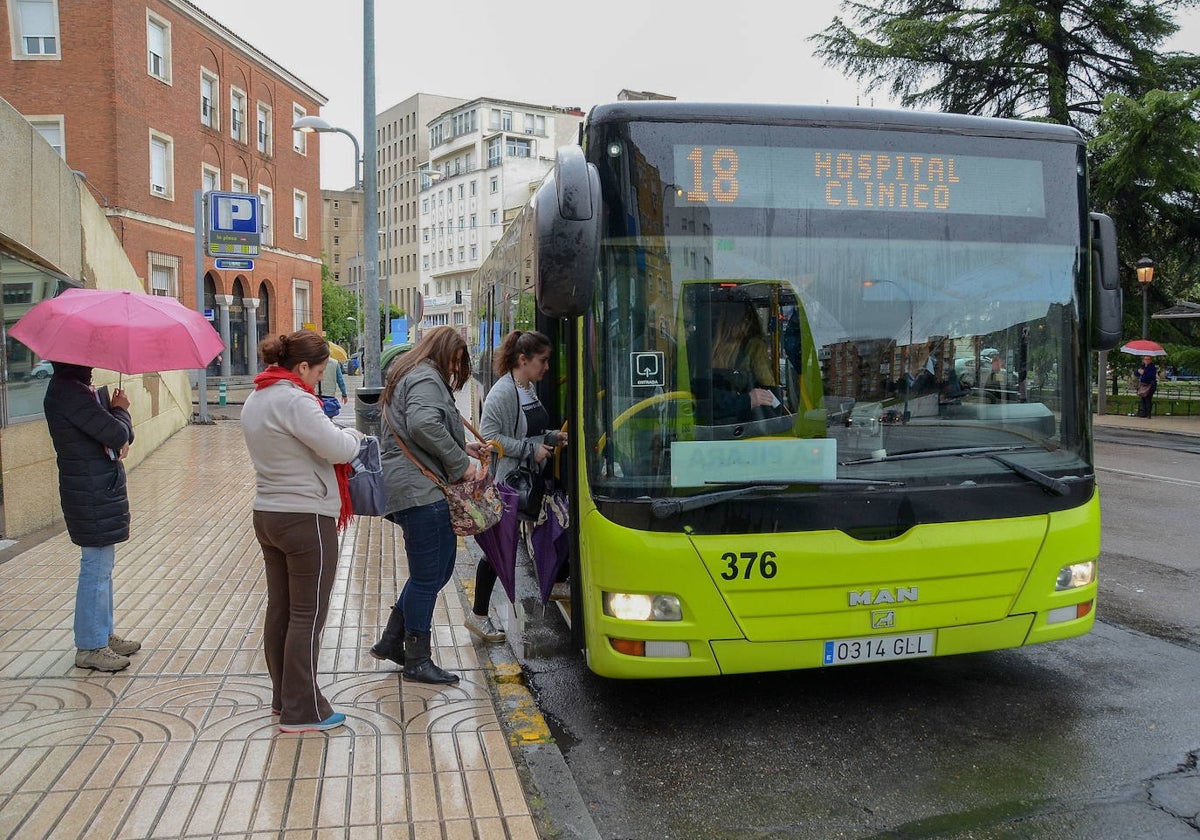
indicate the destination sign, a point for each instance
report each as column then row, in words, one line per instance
column 857, row 180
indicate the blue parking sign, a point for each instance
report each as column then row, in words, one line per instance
column 234, row 225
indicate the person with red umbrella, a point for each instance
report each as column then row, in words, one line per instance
column 1147, row 375
column 91, row 436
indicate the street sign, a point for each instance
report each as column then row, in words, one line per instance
column 234, row 265
column 233, row 227
column 210, row 314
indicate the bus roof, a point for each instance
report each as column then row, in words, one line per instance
column 830, row 116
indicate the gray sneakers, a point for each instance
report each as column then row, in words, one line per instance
column 123, row 647
column 114, row 657
column 101, row 659
column 483, row 627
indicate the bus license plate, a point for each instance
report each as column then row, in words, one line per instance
column 878, row 648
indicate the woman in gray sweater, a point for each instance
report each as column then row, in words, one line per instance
column 418, row 402
column 301, row 499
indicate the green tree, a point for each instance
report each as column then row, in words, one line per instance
column 1094, row 64
column 337, row 306
column 1146, row 175
column 1050, row 59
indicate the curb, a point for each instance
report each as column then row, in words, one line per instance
column 550, row 788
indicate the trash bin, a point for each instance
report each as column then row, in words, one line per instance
column 366, row 410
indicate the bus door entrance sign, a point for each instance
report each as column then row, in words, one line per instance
column 234, row 227
column 648, row 369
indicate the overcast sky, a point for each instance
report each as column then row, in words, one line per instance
column 748, row 50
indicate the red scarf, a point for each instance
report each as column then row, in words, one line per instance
column 274, row 374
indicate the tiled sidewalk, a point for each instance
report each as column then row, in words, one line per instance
column 182, row 743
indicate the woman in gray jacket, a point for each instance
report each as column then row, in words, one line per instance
column 418, row 401
column 515, row 417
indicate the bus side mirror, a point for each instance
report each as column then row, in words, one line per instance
column 567, row 226
column 1108, row 304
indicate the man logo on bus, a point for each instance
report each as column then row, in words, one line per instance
column 870, row 597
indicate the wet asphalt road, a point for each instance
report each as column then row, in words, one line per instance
column 1089, row 738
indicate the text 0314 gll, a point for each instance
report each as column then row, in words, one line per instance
column 878, row 648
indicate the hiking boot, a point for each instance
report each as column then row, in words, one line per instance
column 101, row 659
column 418, row 666
column 123, row 647
column 484, row 628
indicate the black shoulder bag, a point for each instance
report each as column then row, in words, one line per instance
column 526, row 478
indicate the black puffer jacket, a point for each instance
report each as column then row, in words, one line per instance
column 91, row 485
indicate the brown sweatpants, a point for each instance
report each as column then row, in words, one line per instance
column 300, row 553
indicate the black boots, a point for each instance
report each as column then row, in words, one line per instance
column 419, row 666
column 391, row 644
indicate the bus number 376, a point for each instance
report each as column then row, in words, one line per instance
column 765, row 562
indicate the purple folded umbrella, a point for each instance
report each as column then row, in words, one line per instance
column 499, row 543
column 551, row 541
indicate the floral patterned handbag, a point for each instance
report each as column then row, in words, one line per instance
column 475, row 505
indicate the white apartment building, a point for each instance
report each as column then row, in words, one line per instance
column 486, row 158
column 402, row 147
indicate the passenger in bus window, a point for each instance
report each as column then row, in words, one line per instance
column 743, row 381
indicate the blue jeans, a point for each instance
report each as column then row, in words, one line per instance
column 431, row 546
column 94, row 597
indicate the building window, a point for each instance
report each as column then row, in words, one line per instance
column 494, row 150
column 238, row 184
column 474, row 221
column 158, row 47
column 35, row 25
column 516, row 147
column 494, row 119
column 301, row 304
column 51, row 129
column 474, row 252
column 209, row 85
column 210, row 178
column 266, row 214
column 337, row 240
column 299, row 138
column 164, row 275
column 494, row 185
column 237, row 115
column 300, row 215
column 539, row 126
column 337, row 223
column 474, row 188
column 494, row 217
column 264, row 128
column 162, row 165
column 506, row 120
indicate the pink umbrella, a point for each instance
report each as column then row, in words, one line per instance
column 1144, row 347
column 118, row 330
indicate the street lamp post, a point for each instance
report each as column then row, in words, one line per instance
column 1145, row 276
column 370, row 360
column 318, row 125
column 357, row 336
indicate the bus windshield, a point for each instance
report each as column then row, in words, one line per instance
column 798, row 306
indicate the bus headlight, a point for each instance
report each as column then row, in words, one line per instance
column 1075, row 575
column 642, row 607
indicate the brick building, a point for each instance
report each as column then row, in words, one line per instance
column 151, row 100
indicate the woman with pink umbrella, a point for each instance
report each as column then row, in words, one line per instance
column 1147, row 372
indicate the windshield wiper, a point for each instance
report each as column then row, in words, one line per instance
column 936, row 453
column 665, row 508
column 1055, row 485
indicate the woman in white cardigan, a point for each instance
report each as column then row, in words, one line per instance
column 300, row 503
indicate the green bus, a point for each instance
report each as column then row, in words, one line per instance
column 827, row 376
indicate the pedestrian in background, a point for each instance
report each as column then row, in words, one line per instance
column 418, row 401
column 1147, row 384
column 300, row 503
column 515, row 417
column 91, row 436
column 332, row 382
